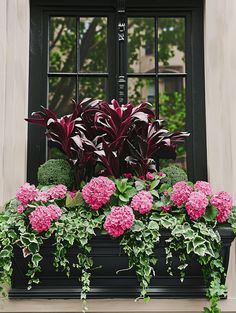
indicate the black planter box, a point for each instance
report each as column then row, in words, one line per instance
column 105, row 282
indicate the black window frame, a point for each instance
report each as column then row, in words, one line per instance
column 117, row 10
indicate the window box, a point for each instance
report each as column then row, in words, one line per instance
column 105, row 282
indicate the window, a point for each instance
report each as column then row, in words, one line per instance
column 128, row 50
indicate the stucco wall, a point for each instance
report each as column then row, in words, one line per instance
column 220, row 68
column 14, row 52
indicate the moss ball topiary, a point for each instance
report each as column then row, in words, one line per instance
column 54, row 172
column 174, row 174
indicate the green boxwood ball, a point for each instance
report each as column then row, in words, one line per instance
column 174, row 174
column 54, row 172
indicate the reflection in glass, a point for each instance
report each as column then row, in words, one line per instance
column 93, row 44
column 171, row 44
column 92, row 87
column 141, row 89
column 61, row 92
column 141, row 51
column 172, row 109
column 62, row 44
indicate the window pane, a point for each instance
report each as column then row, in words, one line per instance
column 93, row 87
column 141, row 45
column 62, row 44
column 61, row 91
column 141, row 89
column 172, row 109
column 171, row 44
column 93, row 44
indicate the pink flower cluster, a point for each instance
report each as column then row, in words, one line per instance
column 119, row 220
column 204, row 187
column 142, row 202
column 98, row 192
column 181, row 192
column 223, row 202
column 26, row 193
column 196, row 205
column 57, row 192
column 42, row 217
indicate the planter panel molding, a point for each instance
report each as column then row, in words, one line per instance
column 220, row 68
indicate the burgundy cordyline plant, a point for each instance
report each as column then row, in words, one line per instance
column 121, row 138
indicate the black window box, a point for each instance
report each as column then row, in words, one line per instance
column 105, row 282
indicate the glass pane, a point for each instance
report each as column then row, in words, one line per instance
column 93, row 87
column 172, row 109
column 93, row 44
column 141, row 89
column 61, row 92
column 171, row 44
column 141, row 45
column 62, row 44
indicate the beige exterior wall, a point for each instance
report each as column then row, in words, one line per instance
column 220, row 68
column 14, row 55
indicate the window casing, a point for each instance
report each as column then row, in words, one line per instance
column 119, row 73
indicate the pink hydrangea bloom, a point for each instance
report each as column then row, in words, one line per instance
column 165, row 207
column 55, row 211
column 150, row 176
column 40, row 219
column 42, row 196
column 20, row 209
column 26, row 193
column 196, row 205
column 57, row 192
column 204, row 187
column 98, row 191
column 181, row 192
column 223, row 202
column 142, row 202
column 119, row 220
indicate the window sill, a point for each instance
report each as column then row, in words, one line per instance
column 113, row 306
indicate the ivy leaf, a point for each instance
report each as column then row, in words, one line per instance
column 139, row 185
column 200, row 250
column 153, row 225
column 198, row 241
column 36, row 258
column 138, row 226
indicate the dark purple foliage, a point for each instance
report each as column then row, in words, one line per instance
column 108, row 138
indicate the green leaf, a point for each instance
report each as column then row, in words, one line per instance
column 198, row 241
column 77, row 200
column 211, row 213
column 164, row 187
column 121, row 185
column 139, row 185
column 153, row 225
column 123, row 198
column 200, row 250
column 138, row 226
column 36, row 258
column 155, row 193
column 154, row 184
